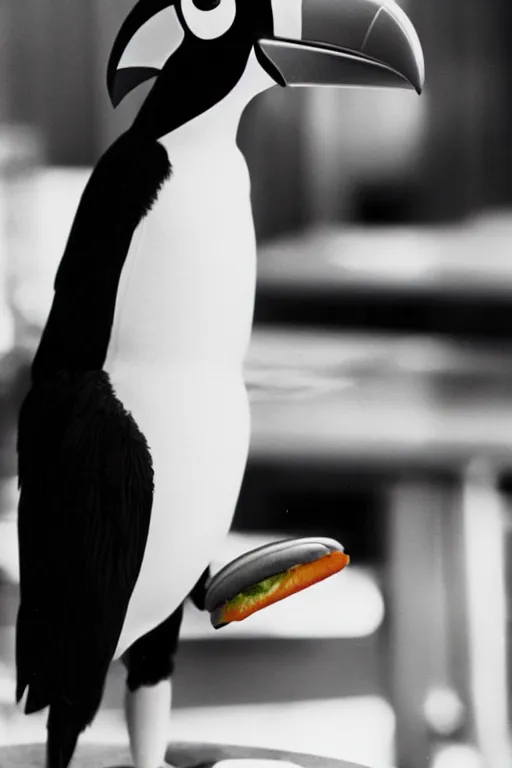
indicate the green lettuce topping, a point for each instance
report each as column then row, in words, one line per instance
column 254, row 593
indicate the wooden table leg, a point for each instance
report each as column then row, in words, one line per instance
column 417, row 612
column 447, row 615
column 479, row 614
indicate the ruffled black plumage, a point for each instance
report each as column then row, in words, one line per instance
column 86, row 484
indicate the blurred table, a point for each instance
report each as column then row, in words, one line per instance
column 397, row 403
column 453, row 280
column 442, row 436
column 178, row 755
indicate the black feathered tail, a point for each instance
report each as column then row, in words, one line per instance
column 63, row 733
column 85, row 503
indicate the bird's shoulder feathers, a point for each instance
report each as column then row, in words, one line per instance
column 120, row 192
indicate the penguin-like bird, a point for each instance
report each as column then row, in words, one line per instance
column 133, row 438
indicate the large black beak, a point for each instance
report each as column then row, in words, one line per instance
column 349, row 43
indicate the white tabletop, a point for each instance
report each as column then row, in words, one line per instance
column 382, row 400
column 465, row 259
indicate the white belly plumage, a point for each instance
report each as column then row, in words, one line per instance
column 181, row 328
column 198, row 433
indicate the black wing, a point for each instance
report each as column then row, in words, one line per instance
column 85, row 472
column 86, row 484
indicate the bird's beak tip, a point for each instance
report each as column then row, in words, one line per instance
column 393, row 40
column 351, row 43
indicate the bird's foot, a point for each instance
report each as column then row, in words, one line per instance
column 147, row 715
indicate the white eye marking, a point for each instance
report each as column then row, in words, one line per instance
column 208, row 25
column 154, row 42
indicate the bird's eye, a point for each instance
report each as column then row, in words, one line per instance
column 206, row 5
column 208, row 19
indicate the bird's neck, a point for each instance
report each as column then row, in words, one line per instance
column 195, row 256
column 216, row 128
column 195, row 253
column 208, row 168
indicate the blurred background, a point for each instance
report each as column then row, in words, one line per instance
column 380, row 376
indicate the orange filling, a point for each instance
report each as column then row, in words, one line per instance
column 296, row 579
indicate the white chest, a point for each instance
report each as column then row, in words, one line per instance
column 186, row 292
column 181, row 328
